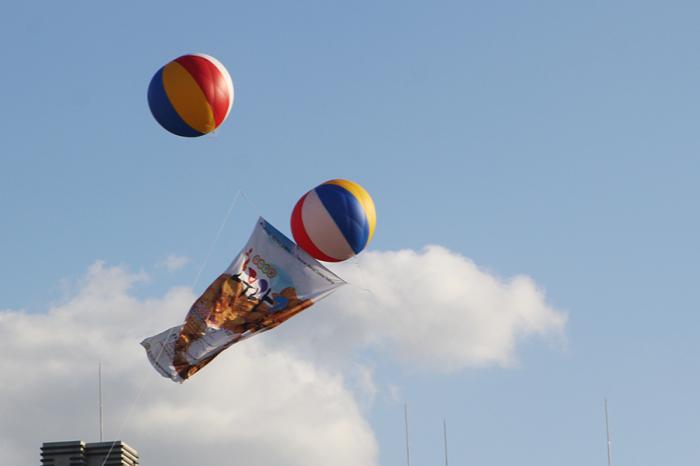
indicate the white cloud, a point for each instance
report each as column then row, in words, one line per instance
column 294, row 396
column 255, row 405
column 431, row 310
column 173, row 262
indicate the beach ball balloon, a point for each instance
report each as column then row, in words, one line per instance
column 334, row 221
column 191, row 96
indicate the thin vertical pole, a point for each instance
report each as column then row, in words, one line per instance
column 99, row 376
column 607, row 432
column 444, row 435
column 405, row 417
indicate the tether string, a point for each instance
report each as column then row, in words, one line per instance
column 147, row 380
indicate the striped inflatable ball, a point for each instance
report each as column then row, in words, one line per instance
column 334, row 221
column 191, row 96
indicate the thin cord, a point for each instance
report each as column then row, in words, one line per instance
column 366, row 290
column 216, row 238
column 128, row 417
column 148, row 380
column 252, row 204
column 355, row 263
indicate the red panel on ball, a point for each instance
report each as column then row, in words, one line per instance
column 211, row 81
column 300, row 236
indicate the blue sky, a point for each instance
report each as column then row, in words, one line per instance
column 552, row 139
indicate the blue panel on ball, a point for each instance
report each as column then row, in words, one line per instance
column 163, row 111
column 348, row 214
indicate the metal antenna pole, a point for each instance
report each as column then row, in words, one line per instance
column 99, row 376
column 607, row 432
column 405, row 417
column 444, row 435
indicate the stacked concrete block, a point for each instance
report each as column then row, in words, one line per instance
column 78, row 453
column 63, row 454
column 117, row 453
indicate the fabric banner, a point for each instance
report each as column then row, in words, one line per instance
column 271, row 280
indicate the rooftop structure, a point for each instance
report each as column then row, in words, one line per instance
column 79, row 453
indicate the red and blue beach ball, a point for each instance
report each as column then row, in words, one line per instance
column 334, row 221
column 191, row 96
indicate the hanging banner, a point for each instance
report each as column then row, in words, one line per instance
column 270, row 281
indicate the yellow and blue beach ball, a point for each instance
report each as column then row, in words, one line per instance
column 334, row 221
column 191, row 96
